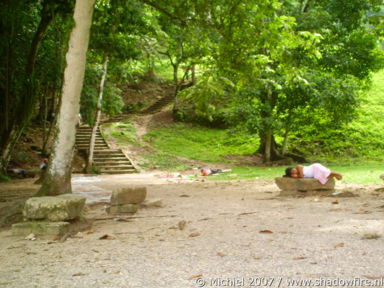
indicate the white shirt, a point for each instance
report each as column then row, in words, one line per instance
column 308, row 171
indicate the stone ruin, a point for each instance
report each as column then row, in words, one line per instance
column 304, row 186
column 128, row 200
column 50, row 215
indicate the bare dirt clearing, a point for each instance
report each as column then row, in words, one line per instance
column 207, row 230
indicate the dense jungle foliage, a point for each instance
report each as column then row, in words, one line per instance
column 291, row 74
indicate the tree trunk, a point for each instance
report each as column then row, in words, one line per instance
column 8, row 148
column 268, row 147
column 193, row 74
column 58, row 177
column 285, row 141
column 98, row 113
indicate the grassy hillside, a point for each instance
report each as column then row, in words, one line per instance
column 355, row 151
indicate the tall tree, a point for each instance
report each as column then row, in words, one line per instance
column 24, row 24
column 58, row 177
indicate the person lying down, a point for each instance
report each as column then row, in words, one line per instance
column 207, row 171
column 317, row 171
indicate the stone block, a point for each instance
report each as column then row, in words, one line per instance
column 308, row 186
column 54, row 208
column 152, row 203
column 40, row 228
column 123, row 209
column 128, row 195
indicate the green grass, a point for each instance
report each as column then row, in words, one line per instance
column 124, row 133
column 200, row 143
column 361, row 173
column 163, row 161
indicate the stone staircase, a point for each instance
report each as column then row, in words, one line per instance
column 158, row 105
column 167, row 99
column 108, row 161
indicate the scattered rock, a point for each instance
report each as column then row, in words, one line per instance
column 123, row 209
column 152, row 203
column 128, row 195
column 181, row 224
column 341, row 244
column 344, row 194
column 304, row 186
column 370, row 236
column 54, row 208
column 31, row 237
column 40, row 228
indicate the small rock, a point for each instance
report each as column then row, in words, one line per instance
column 152, row 203
column 128, row 195
column 123, row 209
column 31, row 237
column 181, row 224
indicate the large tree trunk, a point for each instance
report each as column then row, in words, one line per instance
column 268, row 148
column 13, row 138
column 98, row 114
column 58, row 177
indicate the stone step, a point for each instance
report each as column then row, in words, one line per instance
column 87, row 134
column 103, row 156
column 112, row 163
column 109, row 160
column 110, row 151
column 101, row 141
column 86, row 147
column 96, row 144
column 122, row 171
column 113, row 168
column 89, row 138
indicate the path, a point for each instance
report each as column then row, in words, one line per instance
column 304, row 238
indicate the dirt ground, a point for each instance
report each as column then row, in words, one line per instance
column 207, row 234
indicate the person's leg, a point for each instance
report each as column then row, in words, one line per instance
column 338, row 176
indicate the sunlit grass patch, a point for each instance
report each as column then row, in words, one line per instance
column 200, row 143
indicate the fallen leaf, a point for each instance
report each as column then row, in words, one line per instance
column 122, row 220
column 361, row 211
column 182, row 224
column 335, row 209
column 184, row 195
column 335, row 202
column 106, row 237
column 195, row 276
column 78, row 274
column 194, row 234
column 266, row 231
column 221, row 254
column 373, row 277
column 299, row 258
column 341, row 244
